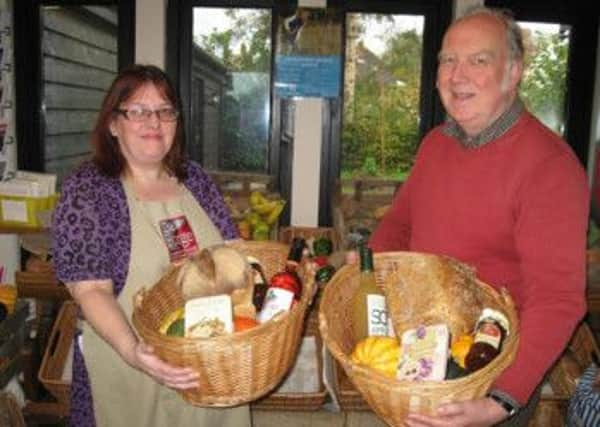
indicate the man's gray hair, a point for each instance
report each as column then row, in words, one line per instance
column 514, row 34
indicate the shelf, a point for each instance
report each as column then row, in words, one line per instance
column 16, row 229
column 41, row 286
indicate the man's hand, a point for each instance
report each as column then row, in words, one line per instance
column 472, row 413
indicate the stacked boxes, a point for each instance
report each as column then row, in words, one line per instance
column 27, row 199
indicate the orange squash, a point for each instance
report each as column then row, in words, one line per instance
column 379, row 353
column 241, row 323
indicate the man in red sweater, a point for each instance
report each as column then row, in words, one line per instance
column 493, row 187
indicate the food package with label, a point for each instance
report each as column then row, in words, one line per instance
column 424, row 353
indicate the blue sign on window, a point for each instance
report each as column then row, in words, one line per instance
column 315, row 76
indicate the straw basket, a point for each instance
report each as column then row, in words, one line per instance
column 392, row 399
column 237, row 368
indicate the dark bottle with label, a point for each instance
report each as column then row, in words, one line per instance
column 285, row 287
column 490, row 332
column 260, row 283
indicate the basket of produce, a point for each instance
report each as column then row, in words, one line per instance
column 234, row 366
column 433, row 302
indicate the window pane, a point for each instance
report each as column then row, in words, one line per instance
column 231, row 64
column 79, row 61
column 381, row 94
column 544, row 82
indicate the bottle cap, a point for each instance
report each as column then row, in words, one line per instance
column 489, row 313
column 297, row 249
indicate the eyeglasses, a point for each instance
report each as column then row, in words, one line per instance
column 139, row 114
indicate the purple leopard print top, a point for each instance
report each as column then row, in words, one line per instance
column 92, row 240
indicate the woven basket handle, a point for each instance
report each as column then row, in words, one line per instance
column 505, row 295
column 138, row 298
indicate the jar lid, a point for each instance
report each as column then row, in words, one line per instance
column 498, row 316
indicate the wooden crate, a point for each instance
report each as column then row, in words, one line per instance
column 58, row 350
column 552, row 408
column 40, row 286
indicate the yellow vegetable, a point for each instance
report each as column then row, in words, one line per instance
column 379, row 353
column 460, row 348
column 8, row 296
column 274, row 214
column 169, row 319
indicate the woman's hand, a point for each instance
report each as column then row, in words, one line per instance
column 171, row 376
column 103, row 313
column 472, row 413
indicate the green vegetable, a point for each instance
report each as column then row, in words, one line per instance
column 453, row 370
column 325, row 273
column 261, row 231
column 322, row 246
column 177, row 328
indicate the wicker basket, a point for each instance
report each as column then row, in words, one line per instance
column 57, row 353
column 392, row 399
column 237, row 368
column 10, row 413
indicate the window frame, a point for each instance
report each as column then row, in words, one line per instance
column 437, row 14
column 28, row 68
column 581, row 67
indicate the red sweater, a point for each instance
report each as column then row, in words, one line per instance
column 516, row 208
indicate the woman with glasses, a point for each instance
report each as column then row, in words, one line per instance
column 123, row 217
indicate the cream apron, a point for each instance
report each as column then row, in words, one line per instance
column 122, row 395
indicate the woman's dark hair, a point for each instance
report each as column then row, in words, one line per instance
column 107, row 153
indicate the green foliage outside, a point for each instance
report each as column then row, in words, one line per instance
column 382, row 136
column 543, row 87
column 245, row 50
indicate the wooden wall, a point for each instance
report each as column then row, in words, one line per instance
column 79, row 48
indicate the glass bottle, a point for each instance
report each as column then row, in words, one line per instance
column 285, row 287
column 490, row 331
column 369, row 312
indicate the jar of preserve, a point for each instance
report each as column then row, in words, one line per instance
column 490, row 332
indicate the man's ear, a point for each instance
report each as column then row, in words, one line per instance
column 515, row 73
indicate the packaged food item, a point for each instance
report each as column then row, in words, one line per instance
column 424, row 353
column 207, row 317
column 490, row 331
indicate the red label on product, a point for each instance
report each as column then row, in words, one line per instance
column 178, row 237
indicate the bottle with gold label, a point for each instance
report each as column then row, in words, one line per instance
column 369, row 311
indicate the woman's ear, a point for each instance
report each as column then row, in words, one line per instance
column 112, row 128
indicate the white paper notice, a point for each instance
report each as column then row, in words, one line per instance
column 14, row 210
column 312, row 3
